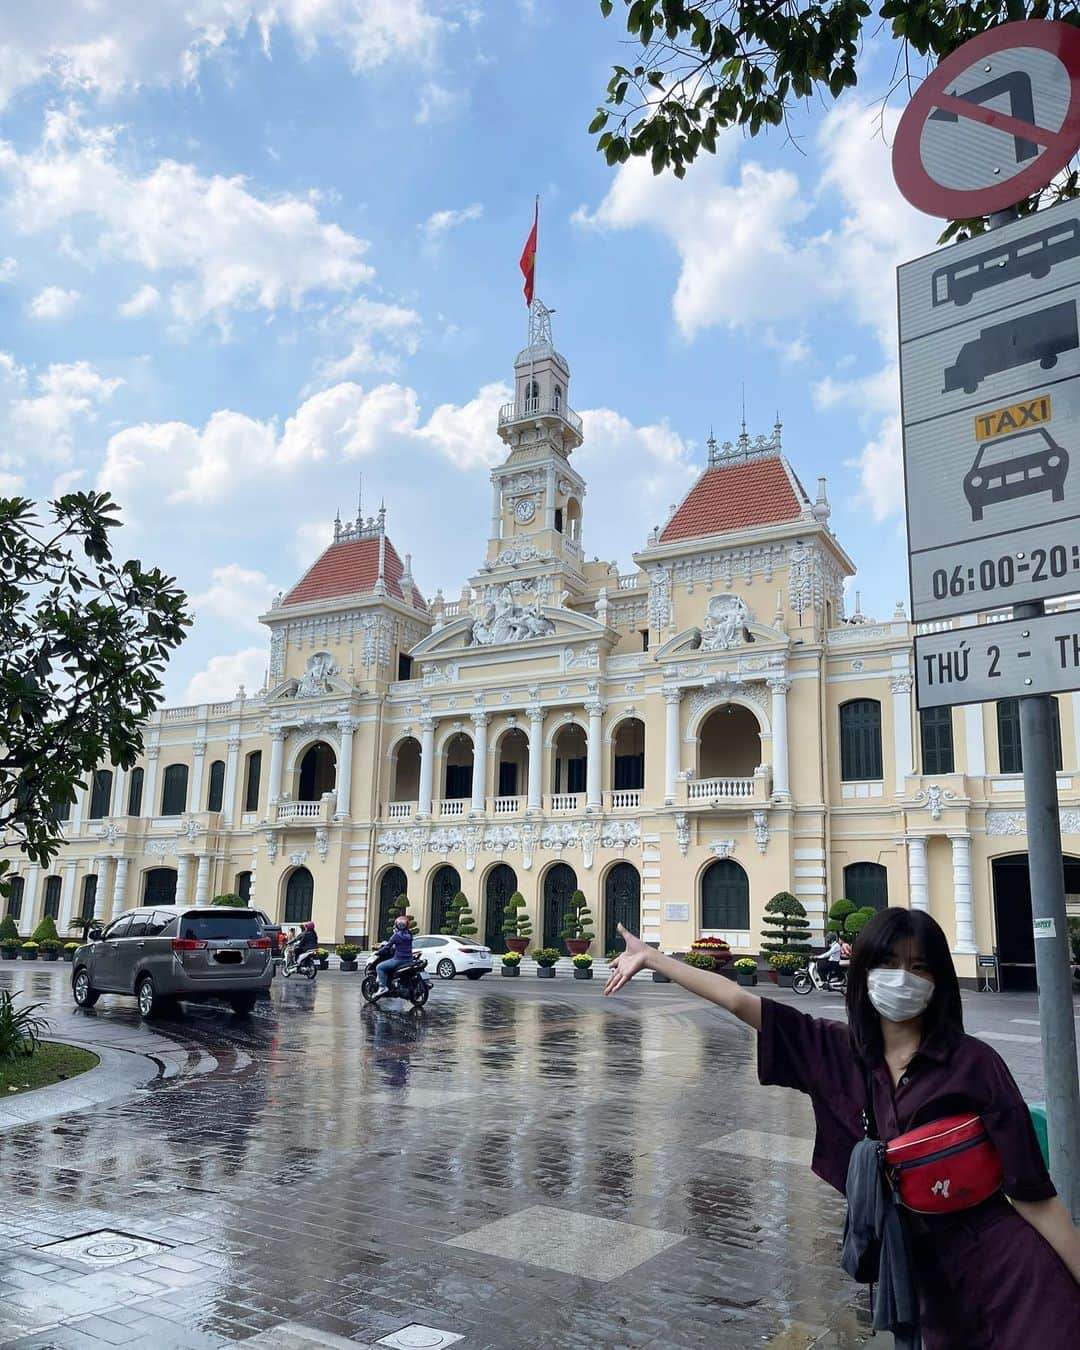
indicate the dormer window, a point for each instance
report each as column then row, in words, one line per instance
column 532, row 396
column 557, row 400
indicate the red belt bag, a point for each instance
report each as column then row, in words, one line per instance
column 945, row 1166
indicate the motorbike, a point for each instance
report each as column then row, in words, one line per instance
column 405, row 982
column 306, row 965
column 810, row 978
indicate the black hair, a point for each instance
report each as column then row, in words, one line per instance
column 872, row 948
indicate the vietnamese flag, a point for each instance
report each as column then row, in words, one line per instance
column 528, row 256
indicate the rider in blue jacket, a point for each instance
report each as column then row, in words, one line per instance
column 400, row 945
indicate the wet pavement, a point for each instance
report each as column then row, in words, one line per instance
column 521, row 1163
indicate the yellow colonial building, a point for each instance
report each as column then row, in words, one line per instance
column 679, row 742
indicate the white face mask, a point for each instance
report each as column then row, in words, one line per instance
column 898, row 995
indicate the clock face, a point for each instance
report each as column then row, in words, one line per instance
column 524, row 510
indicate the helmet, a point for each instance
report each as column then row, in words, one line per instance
column 309, row 926
column 402, row 921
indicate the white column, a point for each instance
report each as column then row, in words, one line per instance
column 103, row 895
column 672, row 697
column 75, row 823
column 536, row 757
column 480, row 722
column 901, row 705
column 427, row 765
column 975, row 743
column 195, row 799
column 149, row 796
column 119, row 891
column 961, row 880
column 182, row 866
column 67, row 896
column 277, row 738
column 594, row 798
column 202, row 880
column 549, row 499
column 229, row 795
column 344, row 775
column 781, row 787
column 119, row 805
column 30, row 891
column 496, row 507
column 917, row 880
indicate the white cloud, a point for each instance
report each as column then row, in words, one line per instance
column 223, row 246
column 9, row 269
column 379, row 336
column 142, row 301
column 237, row 594
column 465, row 433
column 40, row 412
column 651, row 465
column 438, row 103
column 53, row 303
column 439, row 223
column 82, row 44
column 223, row 676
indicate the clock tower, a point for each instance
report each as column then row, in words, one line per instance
column 536, row 505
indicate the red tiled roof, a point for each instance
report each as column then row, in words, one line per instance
column 736, row 497
column 352, row 568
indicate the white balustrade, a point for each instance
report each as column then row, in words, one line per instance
column 400, row 810
column 566, row 801
column 631, row 581
column 180, row 714
column 506, row 806
column 717, row 789
column 220, row 709
column 299, row 811
column 627, row 799
column 455, row 806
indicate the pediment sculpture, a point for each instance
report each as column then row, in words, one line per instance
column 316, row 680
column 725, row 623
column 505, row 621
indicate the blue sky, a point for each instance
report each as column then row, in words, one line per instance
column 261, row 248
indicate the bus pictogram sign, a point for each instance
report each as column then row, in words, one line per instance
column 993, row 123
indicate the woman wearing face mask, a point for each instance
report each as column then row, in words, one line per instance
column 1004, row 1273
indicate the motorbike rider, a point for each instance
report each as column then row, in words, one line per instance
column 829, row 961
column 399, row 946
column 306, row 942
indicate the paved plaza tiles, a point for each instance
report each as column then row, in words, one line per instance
column 521, row 1164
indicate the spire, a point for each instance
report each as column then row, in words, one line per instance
column 778, row 426
column 744, row 439
column 380, row 584
column 359, row 505
column 713, row 449
column 337, row 527
column 821, row 510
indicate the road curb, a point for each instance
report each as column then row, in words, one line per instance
column 120, row 1073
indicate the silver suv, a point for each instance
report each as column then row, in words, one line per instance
column 161, row 955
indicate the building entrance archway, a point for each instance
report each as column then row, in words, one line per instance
column 317, row 773
column 500, row 885
column 392, row 883
column 445, row 884
column 622, row 904
column 1013, row 919
column 299, row 896
column 730, row 743
column 725, row 896
column 560, row 882
column 159, row 886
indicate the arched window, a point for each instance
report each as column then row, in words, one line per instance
column 573, row 519
column 318, row 772
column 407, row 771
column 63, row 811
column 570, row 759
column 51, row 907
column 459, row 768
column 1010, row 755
column 159, row 886
column 252, row 774
column 558, row 398
column 622, row 904
column 243, row 886
column 532, row 396
column 216, row 793
column 860, row 740
column 135, row 786
column 937, row 740
column 299, row 893
column 513, row 755
column 89, row 897
column 500, row 885
column 629, row 757
column 560, row 882
column 392, row 883
column 866, row 883
column 445, row 884
column 174, row 790
column 100, row 794
column 15, row 897
column 729, row 743
column 725, row 896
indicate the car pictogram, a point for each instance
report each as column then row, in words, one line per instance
column 1033, row 462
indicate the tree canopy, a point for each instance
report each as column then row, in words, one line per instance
column 84, row 641
column 704, row 65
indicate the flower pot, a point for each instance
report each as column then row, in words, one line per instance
column 517, row 944
column 773, row 976
column 49, row 956
column 68, row 956
column 545, row 972
column 346, row 965
column 28, row 956
column 324, row 964
column 577, row 946
column 582, row 974
column 747, row 978
column 511, row 971
column 784, row 978
column 9, row 953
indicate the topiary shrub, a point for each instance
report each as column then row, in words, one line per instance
column 459, row 918
column 9, row 933
column 233, row 901
column 401, row 906
column 516, row 922
column 787, row 929
column 838, row 915
column 46, row 930
column 857, row 922
column 577, row 920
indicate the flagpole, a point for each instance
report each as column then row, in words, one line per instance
column 536, row 250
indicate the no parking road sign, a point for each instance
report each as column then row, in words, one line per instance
column 993, row 123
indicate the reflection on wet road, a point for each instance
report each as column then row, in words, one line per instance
column 517, row 1165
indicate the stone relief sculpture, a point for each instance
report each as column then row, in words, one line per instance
column 505, row 621
column 321, row 668
column 725, row 623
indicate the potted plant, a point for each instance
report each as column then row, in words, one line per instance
column 714, row 947
column 576, row 932
column 459, row 918
column 29, row 950
column 9, row 939
column 545, row 958
column 745, row 970
column 347, row 954
column 511, row 963
column 517, row 926
column 838, row 916
column 68, row 950
column 583, row 966
column 783, row 966
column 322, row 956
column 857, row 922
column 700, row 960
column 49, row 950
column 45, row 931
column 229, row 900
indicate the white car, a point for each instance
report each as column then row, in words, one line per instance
column 450, row 956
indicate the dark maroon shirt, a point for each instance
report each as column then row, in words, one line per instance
column 949, row 1074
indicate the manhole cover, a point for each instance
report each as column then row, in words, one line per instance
column 417, row 1337
column 106, row 1247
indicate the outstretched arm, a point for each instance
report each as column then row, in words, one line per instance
column 716, row 988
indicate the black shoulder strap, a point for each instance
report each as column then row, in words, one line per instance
column 870, row 1129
